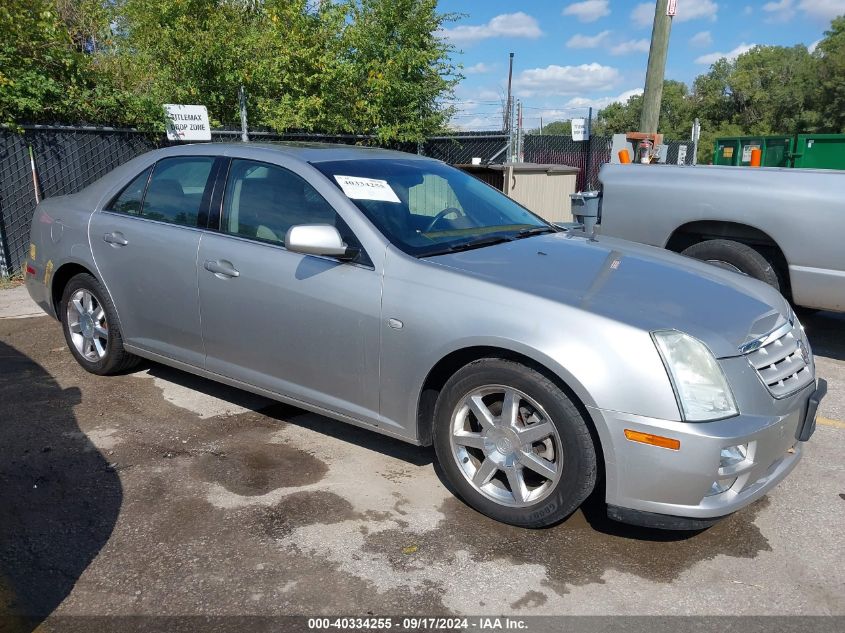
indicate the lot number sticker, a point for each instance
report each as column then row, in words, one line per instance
column 366, row 188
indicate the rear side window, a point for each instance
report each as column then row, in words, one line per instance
column 263, row 201
column 129, row 200
column 176, row 189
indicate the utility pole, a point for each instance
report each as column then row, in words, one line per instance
column 508, row 115
column 656, row 65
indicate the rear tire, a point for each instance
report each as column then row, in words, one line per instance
column 738, row 257
column 529, row 464
column 91, row 327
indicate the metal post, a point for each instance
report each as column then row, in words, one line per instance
column 696, row 135
column 520, row 151
column 653, row 94
column 509, row 102
column 588, row 167
column 242, row 102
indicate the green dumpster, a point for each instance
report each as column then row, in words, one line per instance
column 737, row 150
column 820, row 151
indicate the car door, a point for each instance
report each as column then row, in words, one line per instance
column 145, row 243
column 298, row 325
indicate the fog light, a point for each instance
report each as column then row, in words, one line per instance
column 733, row 455
column 721, row 485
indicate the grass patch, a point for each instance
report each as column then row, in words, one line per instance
column 7, row 283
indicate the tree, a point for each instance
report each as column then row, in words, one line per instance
column 830, row 56
column 42, row 73
column 362, row 66
column 554, row 128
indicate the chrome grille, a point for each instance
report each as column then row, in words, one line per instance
column 784, row 361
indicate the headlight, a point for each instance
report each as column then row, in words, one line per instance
column 700, row 386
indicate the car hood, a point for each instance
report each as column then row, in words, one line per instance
column 642, row 286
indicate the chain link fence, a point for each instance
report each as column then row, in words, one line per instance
column 67, row 159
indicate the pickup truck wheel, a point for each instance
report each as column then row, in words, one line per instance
column 91, row 328
column 512, row 444
column 737, row 257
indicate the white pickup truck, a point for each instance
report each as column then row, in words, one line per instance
column 783, row 226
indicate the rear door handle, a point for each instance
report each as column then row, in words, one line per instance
column 221, row 268
column 115, row 239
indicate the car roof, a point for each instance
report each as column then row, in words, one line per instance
column 304, row 151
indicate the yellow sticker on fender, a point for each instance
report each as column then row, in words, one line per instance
column 32, row 252
column 48, row 272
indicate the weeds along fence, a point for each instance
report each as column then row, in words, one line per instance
column 67, row 159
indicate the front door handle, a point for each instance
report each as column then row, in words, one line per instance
column 115, row 239
column 221, row 268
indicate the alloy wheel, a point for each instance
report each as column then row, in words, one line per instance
column 87, row 325
column 506, row 446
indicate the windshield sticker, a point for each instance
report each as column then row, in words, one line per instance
column 366, row 188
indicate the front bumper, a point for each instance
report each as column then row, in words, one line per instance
column 648, row 479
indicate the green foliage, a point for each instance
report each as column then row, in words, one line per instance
column 830, row 56
column 365, row 66
column 559, row 128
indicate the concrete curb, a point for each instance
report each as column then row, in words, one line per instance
column 16, row 304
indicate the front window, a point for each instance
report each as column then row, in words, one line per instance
column 427, row 208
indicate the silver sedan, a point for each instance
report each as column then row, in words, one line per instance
column 396, row 293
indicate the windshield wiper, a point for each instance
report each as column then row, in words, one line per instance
column 487, row 240
column 537, row 230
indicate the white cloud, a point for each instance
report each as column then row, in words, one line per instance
column 812, row 47
column 631, row 46
column 823, row 9
column 643, row 14
column 700, row 9
column 780, row 11
column 602, row 102
column 704, row 38
column 506, row 25
column 479, row 69
column 588, row 10
column 712, row 58
column 566, row 80
column 588, row 41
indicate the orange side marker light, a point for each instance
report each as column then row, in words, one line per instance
column 653, row 440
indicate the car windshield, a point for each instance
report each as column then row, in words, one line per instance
column 428, row 208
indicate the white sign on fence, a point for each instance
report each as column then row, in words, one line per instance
column 186, row 122
column 672, row 8
column 579, row 130
column 682, row 155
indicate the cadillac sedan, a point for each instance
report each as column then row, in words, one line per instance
column 396, row 293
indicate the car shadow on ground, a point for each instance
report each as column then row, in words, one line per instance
column 826, row 331
column 61, row 498
column 289, row 414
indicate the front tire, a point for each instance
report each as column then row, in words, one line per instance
column 512, row 444
column 91, row 327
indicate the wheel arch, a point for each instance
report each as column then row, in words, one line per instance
column 702, row 230
column 446, row 367
column 61, row 277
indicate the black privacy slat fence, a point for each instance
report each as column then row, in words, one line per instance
column 67, row 159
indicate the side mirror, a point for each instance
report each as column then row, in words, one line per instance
column 318, row 239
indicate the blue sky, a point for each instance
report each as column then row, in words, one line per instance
column 572, row 54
